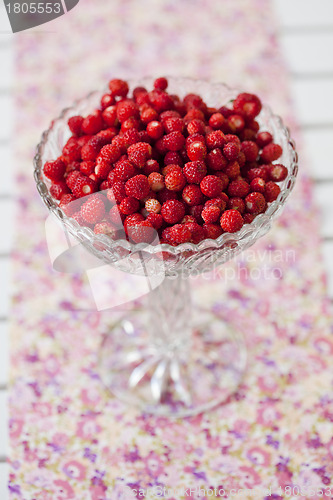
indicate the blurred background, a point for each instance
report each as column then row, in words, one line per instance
column 305, row 33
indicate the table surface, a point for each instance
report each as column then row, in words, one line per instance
column 306, row 37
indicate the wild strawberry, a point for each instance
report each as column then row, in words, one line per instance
column 166, row 195
column 211, row 214
column 211, row 186
column 173, row 211
column 155, row 129
column 150, row 167
column 172, row 157
column 153, row 206
column 160, row 100
column 107, row 100
column 188, row 218
column 117, row 192
column 196, row 126
column 232, row 170
column 129, row 205
column 83, row 186
column 58, row 189
column 130, row 137
column 79, row 219
column 249, row 104
column 215, row 139
column 196, row 151
column 124, row 170
column 87, row 167
column 148, row 115
column 224, row 178
column 194, row 138
column 212, row 231
column 141, row 232
column 196, row 213
column 174, row 141
column 216, row 121
column 217, row 202
column 264, row 138
column 258, row 184
column 118, row 219
column 231, row 221
column 173, row 124
column 139, row 153
column 137, row 186
column 105, row 227
column 248, row 218
column 195, row 171
column 277, row 172
column 192, row 195
column 231, row 151
column 236, row 204
column 71, row 178
column 129, row 124
column 67, row 205
column 239, row 188
column 54, row 170
column 93, row 210
column 93, row 123
column 118, row 88
column 255, row 203
column 197, row 232
column 215, row 160
column 156, row 220
column 193, row 114
column 110, row 153
column 272, row 191
column 102, row 169
column 75, row 124
column 258, row 172
column 250, row 150
column 127, row 109
column 270, row 153
column 171, row 168
column 161, row 83
column 156, row 181
column 177, row 234
column 236, row 123
column 109, row 116
column 175, row 180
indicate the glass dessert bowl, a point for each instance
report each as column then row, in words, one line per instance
column 164, row 358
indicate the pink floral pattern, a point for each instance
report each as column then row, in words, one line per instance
column 70, row 439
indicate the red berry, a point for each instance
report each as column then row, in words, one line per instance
column 177, row 234
column 277, row 172
column 231, row 221
column 105, row 227
column 129, row 205
column 93, row 210
column 236, row 123
column 156, row 220
column 132, row 220
column 150, row 167
column 102, row 170
column 75, row 124
column 87, row 167
column 197, row 232
column 215, row 139
column 238, row 188
column 195, row 171
column 258, row 184
column 173, row 211
column 249, row 104
column 130, row 137
column 175, row 180
column 231, row 151
column 217, row 202
column 139, row 153
column 141, row 232
column 174, row 158
column 110, row 116
column 196, row 126
column 211, row 214
column 236, row 204
column 211, row 186
column 166, row 195
column 192, row 195
column 152, row 205
column 173, row 124
column 196, row 151
column 155, row 129
column 123, row 170
column 138, row 187
column 107, row 100
column 248, row 218
column 215, row 160
column 83, row 186
column 272, row 191
column 59, row 189
column 110, row 153
column 118, row 87
column 232, row 170
column 271, row 152
column 161, row 83
column 264, row 138
column 250, row 150
column 156, row 181
column 127, row 109
column 71, row 178
column 212, row 231
column 160, row 100
column 216, row 121
column 54, row 170
column 255, row 203
column 117, row 192
column 67, row 205
column 174, row 141
column 258, row 172
column 93, row 123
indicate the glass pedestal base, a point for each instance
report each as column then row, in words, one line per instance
column 184, row 377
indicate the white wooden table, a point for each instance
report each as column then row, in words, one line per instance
column 306, row 35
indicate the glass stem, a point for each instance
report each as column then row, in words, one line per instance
column 169, row 308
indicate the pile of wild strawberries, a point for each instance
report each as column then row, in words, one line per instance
column 154, row 163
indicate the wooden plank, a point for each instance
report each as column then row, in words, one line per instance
column 304, row 13
column 308, row 54
column 313, row 101
column 4, row 354
column 318, row 150
column 3, row 424
column 4, row 473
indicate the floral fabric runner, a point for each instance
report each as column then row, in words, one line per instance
column 69, row 438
